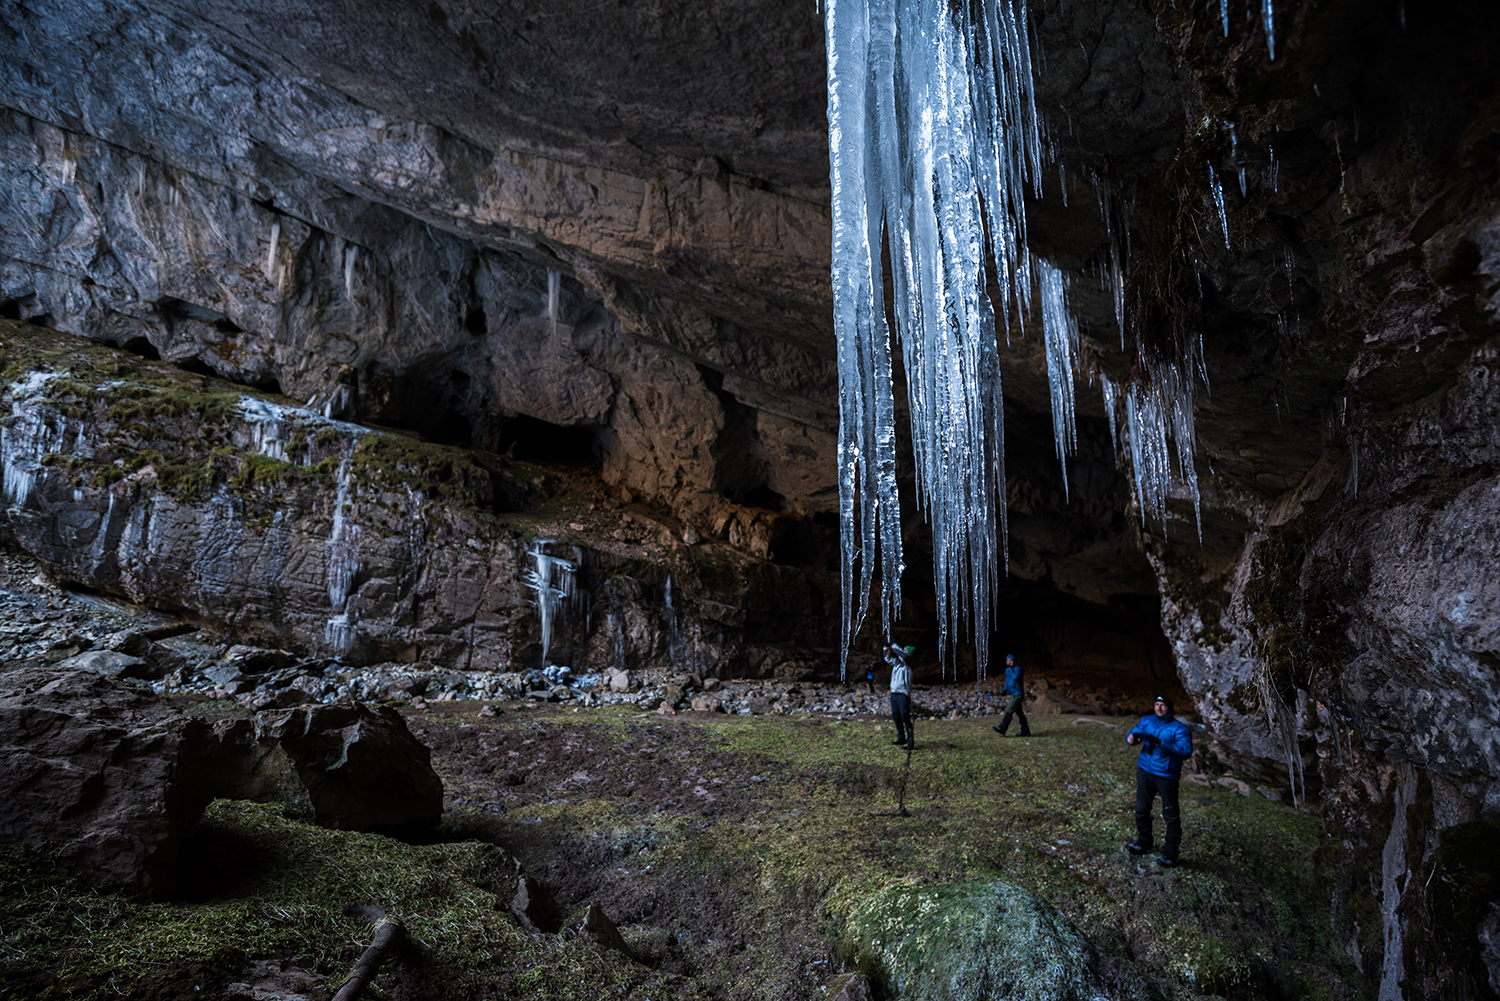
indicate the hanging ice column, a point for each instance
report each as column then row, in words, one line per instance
column 932, row 135
column 343, row 565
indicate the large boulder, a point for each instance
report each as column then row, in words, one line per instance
column 109, row 775
column 344, row 766
column 977, row 940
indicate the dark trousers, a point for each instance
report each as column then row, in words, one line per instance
column 1147, row 787
column 1013, row 708
column 901, row 713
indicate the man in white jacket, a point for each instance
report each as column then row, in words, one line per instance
column 900, row 660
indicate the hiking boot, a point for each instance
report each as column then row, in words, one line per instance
column 1136, row 848
column 1026, row 733
column 1165, row 862
column 998, row 730
column 899, row 743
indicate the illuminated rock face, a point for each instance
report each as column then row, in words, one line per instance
column 366, row 209
column 281, row 527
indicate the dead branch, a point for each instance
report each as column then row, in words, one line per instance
column 389, row 933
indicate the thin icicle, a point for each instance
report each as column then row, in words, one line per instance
column 554, row 293
column 1218, row 192
column 270, row 268
column 1268, row 16
column 350, row 253
column 1118, row 254
column 1111, row 394
column 1060, row 330
column 1236, row 159
column 1224, row 16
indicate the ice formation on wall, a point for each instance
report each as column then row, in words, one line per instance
column 26, row 438
column 554, row 296
column 351, row 253
column 1267, row 18
column 271, row 249
column 933, row 134
column 552, row 578
column 1218, row 193
column 343, row 564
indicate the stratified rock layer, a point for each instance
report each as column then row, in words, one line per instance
column 282, row 527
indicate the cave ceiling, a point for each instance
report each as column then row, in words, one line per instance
column 371, row 194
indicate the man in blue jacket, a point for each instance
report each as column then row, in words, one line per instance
column 1165, row 743
column 1015, row 690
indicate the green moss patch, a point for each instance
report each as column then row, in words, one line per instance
column 974, row 940
column 182, row 426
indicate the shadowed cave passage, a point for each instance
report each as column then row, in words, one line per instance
column 1116, row 651
column 1117, row 647
column 531, row 439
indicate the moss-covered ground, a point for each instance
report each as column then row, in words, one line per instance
column 730, row 850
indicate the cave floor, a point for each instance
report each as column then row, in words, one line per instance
column 727, row 849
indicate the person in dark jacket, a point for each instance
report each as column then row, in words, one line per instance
column 1165, row 743
column 1015, row 688
column 900, row 660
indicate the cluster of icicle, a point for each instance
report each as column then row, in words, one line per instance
column 1158, row 427
column 1267, row 18
column 933, row 134
column 933, row 138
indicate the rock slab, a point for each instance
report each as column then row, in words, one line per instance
column 344, row 766
column 110, row 776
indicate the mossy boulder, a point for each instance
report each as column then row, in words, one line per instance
column 977, row 940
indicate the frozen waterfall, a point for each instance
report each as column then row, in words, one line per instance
column 933, row 135
column 552, row 578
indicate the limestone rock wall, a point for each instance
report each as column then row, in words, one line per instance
column 276, row 525
column 383, row 318
column 1338, row 613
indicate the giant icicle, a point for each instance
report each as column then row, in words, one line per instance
column 933, row 134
